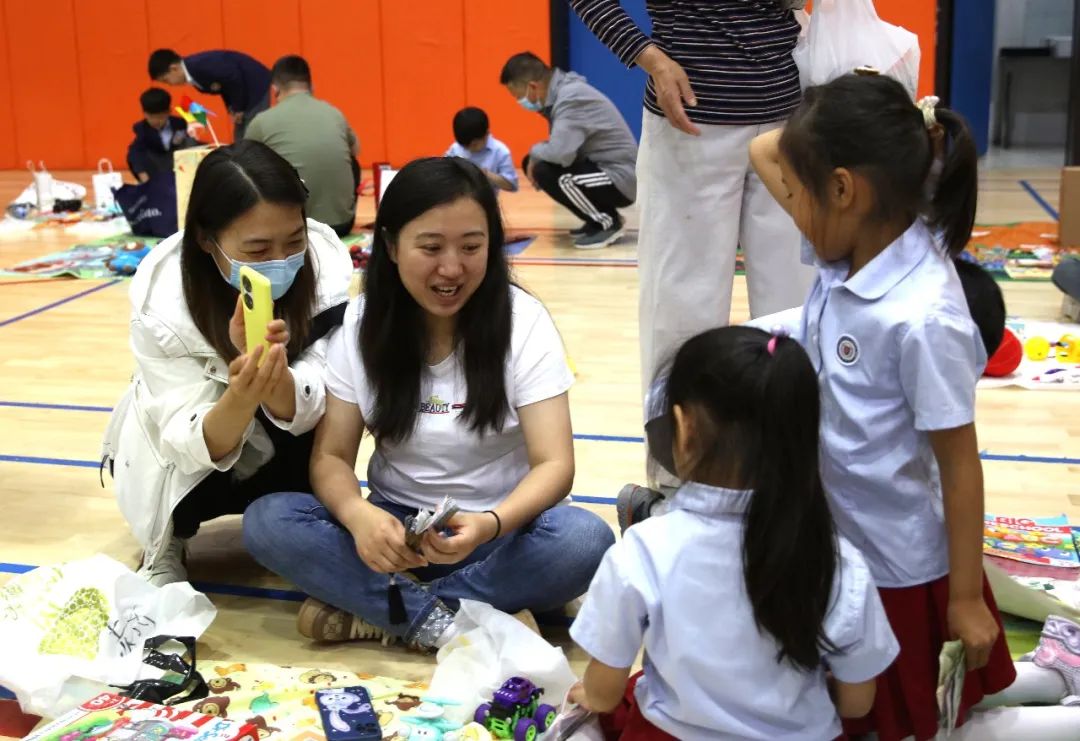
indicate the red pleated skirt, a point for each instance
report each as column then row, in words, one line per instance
column 626, row 723
column 906, row 701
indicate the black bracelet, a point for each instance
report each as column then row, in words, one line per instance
column 498, row 523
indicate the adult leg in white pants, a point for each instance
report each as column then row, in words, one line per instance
column 698, row 196
column 776, row 277
column 690, row 189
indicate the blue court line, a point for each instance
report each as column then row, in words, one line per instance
column 1029, row 459
column 62, row 407
column 1040, row 200
column 985, row 455
column 83, row 408
column 61, row 302
column 239, row 590
column 610, row 438
column 15, row 568
column 49, row 461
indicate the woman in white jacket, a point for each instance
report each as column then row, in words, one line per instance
column 203, row 430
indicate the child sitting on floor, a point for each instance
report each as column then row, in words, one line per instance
column 797, row 641
column 473, row 141
column 157, row 136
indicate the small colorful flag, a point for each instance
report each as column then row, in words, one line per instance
column 193, row 112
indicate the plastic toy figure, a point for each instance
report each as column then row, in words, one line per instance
column 515, row 711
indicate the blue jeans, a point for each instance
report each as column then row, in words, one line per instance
column 540, row 567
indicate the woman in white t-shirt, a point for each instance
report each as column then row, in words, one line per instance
column 461, row 378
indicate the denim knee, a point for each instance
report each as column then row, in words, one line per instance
column 584, row 538
column 265, row 519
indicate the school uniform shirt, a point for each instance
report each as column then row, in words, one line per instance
column 151, row 150
column 674, row 584
column 442, row 456
column 494, row 157
column 898, row 356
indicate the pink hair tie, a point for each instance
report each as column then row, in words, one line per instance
column 777, row 332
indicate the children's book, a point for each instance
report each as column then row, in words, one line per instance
column 1040, row 541
column 110, row 716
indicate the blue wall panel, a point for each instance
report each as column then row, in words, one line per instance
column 595, row 61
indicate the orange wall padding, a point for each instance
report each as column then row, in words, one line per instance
column 71, row 71
column 919, row 17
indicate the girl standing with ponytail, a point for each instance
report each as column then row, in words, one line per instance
column 742, row 595
column 888, row 331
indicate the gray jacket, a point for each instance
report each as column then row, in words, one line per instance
column 585, row 123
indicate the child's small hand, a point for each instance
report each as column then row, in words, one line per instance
column 577, row 696
column 971, row 621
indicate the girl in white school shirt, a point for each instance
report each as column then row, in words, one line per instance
column 742, row 595
column 888, row 330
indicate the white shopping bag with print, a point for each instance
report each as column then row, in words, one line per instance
column 104, row 180
column 847, row 34
column 69, row 631
column 490, row 648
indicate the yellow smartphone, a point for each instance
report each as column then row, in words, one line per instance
column 255, row 294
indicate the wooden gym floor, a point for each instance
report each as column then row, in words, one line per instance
column 65, row 362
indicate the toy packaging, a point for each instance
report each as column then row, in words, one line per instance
column 110, row 716
column 1040, row 541
column 415, row 527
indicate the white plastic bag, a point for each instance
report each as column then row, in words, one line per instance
column 104, row 181
column 43, row 186
column 490, row 648
column 69, row 630
column 574, row 723
column 847, row 34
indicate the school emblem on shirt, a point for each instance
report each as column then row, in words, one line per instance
column 434, row 405
column 847, row 349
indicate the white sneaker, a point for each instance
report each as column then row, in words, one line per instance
column 169, row 567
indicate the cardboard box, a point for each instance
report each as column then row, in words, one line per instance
column 1069, row 207
column 110, row 717
column 185, row 163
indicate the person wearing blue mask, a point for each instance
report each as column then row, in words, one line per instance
column 587, row 163
column 207, row 426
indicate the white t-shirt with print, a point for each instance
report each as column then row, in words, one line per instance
column 442, row 456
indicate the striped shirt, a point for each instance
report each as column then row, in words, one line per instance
column 737, row 53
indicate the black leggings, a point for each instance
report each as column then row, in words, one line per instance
column 221, row 494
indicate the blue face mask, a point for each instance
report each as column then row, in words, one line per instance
column 529, row 105
column 280, row 273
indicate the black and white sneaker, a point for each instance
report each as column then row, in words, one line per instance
column 584, row 229
column 596, row 237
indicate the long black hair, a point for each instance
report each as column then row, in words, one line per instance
column 870, row 125
column 393, row 334
column 755, row 402
column 229, row 182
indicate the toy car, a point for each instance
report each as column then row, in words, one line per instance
column 515, row 711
